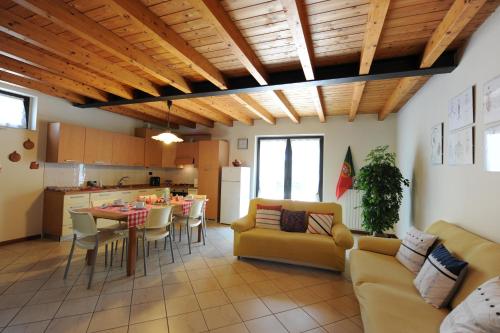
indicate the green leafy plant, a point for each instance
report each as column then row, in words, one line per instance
column 382, row 184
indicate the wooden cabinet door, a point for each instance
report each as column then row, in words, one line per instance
column 136, row 155
column 121, row 147
column 66, row 143
column 168, row 156
column 208, row 152
column 98, row 147
column 209, row 184
column 186, row 152
column 153, row 153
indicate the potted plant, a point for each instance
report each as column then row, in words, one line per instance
column 382, row 184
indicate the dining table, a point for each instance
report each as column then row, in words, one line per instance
column 134, row 218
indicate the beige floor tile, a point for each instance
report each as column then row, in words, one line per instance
column 123, row 329
column 345, row 305
column 304, row 296
column 77, row 306
column 357, row 320
column 236, row 328
column 223, row 270
column 240, row 293
column 154, row 326
column 14, row 300
column 175, row 277
column 221, row 316
column 264, row 288
column 82, row 291
column 288, row 283
column 177, row 290
column 296, row 320
column 343, row 326
column 265, row 324
column 324, row 313
column 22, row 287
column 279, row 302
column 214, row 262
column 147, row 281
column 316, row 330
column 147, row 295
column 32, row 313
column 251, row 309
column 147, row 311
column 204, row 285
column 195, row 264
column 254, row 276
column 181, row 305
column 198, row 274
column 108, row 319
column 212, row 298
column 38, row 327
column 115, row 300
column 76, row 324
column 192, row 322
column 228, row 281
column 116, row 286
column 49, row 296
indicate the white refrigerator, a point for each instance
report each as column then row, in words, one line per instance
column 235, row 193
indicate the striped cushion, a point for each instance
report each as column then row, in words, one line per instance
column 268, row 217
column 320, row 224
column 414, row 249
column 478, row 313
column 440, row 277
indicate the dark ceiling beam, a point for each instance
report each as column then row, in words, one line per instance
column 408, row 66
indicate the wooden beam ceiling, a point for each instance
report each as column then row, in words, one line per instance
column 213, row 12
column 297, row 22
column 457, row 17
column 72, row 20
column 226, row 109
column 376, row 18
column 129, row 111
column 255, row 107
column 205, row 110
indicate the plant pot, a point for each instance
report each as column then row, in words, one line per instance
column 379, row 234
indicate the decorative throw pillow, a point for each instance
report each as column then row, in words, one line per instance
column 320, row 223
column 440, row 277
column 478, row 313
column 293, row 221
column 268, row 217
column 414, row 249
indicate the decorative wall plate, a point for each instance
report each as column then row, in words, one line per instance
column 28, row 144
column 34, row 165
column 14, row 156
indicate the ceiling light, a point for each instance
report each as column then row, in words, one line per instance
column 167, row 137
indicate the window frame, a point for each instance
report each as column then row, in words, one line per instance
column 288, row 172
column 28, row 102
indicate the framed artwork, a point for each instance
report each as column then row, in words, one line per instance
column 437, row 144
column 492, row 148
column 461, row 147
column 461, row 110
column 491, row 100
column 243, row 143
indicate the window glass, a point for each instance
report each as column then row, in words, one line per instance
column 305, row 169
column 13, row 112
column 272, row 169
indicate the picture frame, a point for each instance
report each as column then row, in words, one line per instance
column 242, row 143
column 437, row 144
column 491, row 100
column 461, row 147
column 461, row 110
column 492, row 148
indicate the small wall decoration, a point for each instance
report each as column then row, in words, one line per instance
column 34, row 165
column 14, row 156
column 461, row 110
column 491, row 100
column 437, row 144
column 492, row 148
column 243, row 143
column 461, row 147
column 28, row 144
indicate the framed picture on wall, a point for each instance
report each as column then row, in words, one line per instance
column 437, row 144
column 492, row 148
column 461, row 147
column 491, row 100
column 242, row 143
column 461, row 110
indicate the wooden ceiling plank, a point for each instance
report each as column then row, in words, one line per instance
column 404, row 86
column 212, row 101
column 41, row 87
column 19, row 49
column 132, row 113
column 72, row 20
column 205, row 110
column 161, row 114
column 285, row 106
column 181, row 112
column 22, row 68
column 357, row 93
column 32, row 33
column 252, row 105
column 170, row 40
column 457, row 17
column 297, row 20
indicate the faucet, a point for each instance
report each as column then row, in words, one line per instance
column 122, row 180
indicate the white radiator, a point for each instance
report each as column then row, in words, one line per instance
column 352, row 215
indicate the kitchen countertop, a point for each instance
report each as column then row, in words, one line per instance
column 75, row 190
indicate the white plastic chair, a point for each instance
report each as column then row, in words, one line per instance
column 192, row 220
column 86, row 236
column 158, row 226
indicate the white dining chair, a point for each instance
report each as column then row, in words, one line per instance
column 87, row 237
column 192, row 220
column 157, row 226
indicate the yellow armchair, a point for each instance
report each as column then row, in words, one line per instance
column 387, row 246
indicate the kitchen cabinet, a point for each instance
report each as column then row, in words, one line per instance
column 98, row 147
column 128, row 150
column 65, row 143
column 153, row 149
column 169, row 155
column 186, row 153
column 213, row 155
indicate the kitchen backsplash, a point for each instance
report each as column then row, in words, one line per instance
column 78, row 174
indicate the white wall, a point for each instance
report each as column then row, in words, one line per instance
column 362, row 135
column 466, row 195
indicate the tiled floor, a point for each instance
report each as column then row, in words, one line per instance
column 209, row 290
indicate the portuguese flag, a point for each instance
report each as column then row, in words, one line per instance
column 345, row 181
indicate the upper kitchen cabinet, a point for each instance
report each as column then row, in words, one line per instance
column 186, row 153
column 65, row 143
column 153, row 149
column 169, row 155
column 213, row 154
column 128, row 150
column 98, row 147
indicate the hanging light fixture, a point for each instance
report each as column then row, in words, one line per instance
column 167, row 137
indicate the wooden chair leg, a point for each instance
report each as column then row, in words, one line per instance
column 171, row 247
column 94, row 259
column 180, row 232
column 188, row 236
column 144, row 250
column 112, row 253
column 123, row 250
column 105, row 255
column 69, row 257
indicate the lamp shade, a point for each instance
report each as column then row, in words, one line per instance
column 167, row 137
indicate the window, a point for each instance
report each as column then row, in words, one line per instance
column 290, row 168
column 14, row 110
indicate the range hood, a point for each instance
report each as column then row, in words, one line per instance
column 180, row 161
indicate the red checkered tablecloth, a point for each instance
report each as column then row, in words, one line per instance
column 135, row 217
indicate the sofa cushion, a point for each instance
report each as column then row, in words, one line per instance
column 389, row 309
column 319, row 223
column 293, row 221
column 268, row 217
column 414, row 249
